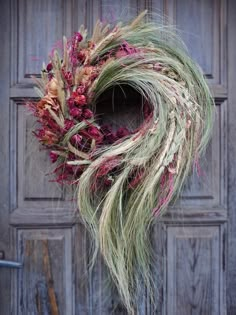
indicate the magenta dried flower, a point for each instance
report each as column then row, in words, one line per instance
column 68, row 124
column 53, row 156
column 76, row 139
column 49, row 67
column 87, row 113
column 76, row 112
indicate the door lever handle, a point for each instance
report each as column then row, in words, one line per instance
column 8, row 263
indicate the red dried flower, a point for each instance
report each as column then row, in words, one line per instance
column 81, row 56
column 69, row 169
column 49, row 67
column 94, row 133
column 80, row 100
column 109, row 136
column 78, row 37
column 80, row 89
column 122, row 132
column 50, row 76
column 106, row 129
column 71, row 102
column 106, row 167
column 46, row 136
column 53, row 156
column 68, row 124
column 87, row 113
column 68, row 77
column 76, row 112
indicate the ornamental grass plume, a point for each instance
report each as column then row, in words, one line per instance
column 127, row 179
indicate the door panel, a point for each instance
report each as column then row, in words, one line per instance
column 45, row 284
column 195, row 270
column 38, row 220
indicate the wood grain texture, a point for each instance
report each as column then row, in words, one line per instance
column 201, row 33
column 194, row 270
column 4, row 157
column 159, row 241
column 34, row 162
column 114, row 11
column 231, row 264
column 45, row 229
column 45, row 283
column 202, row 25
column 207, row 185
column 34, row 45
column 93, row 291
column 31, row 169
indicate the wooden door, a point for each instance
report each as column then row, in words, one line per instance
column 196, row 240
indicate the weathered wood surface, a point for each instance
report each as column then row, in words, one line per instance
column 45, row 282
column 42, row 228
column 4, row 158
column 231, row 259
column 195, row 270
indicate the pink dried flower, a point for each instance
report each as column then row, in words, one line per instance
column 76, row 139
column 68, row 77
column 80, row 89
column 80, row 100
column 53, row 156
column 126, row 49
column 68, row 124
column 76, row 112
column 78, row 37
column 71, row 102
column 93, row 131
column 87, row 113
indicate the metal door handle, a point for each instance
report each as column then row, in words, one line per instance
column 8, row 263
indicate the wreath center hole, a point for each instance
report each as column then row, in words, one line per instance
column 120, row 106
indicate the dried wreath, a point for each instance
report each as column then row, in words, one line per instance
column 126, row 178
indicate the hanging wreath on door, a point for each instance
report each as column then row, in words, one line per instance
column 126, row 177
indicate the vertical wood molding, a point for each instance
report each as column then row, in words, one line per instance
column 92, row 14
column 231, row 265
column 4, row 157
